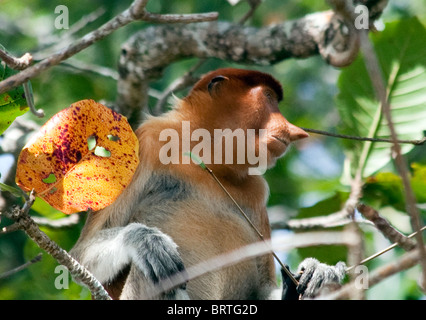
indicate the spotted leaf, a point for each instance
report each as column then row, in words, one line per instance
column 63, row 164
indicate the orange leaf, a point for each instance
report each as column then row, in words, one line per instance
column 59, row 165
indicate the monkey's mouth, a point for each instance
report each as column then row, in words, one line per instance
column 284, row 142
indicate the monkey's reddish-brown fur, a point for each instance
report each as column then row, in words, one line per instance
column 203, row 226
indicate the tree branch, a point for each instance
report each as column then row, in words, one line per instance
column 16, row 63
column 407, row 261
column 185, row 81
column 254, row 4
column 385, row 228
column 79, row 273
column 56, row 42
column 135, row 12
column 179, row 18
column 344, row 136
column 22, row 267
column 66, row 222
column 150, row 51
column 189, row 78
column 377, row 254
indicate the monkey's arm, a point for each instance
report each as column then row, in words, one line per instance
column 313, row 276
column 111, row 250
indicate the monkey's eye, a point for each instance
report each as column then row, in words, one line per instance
column 270, row 95
column 214, row 81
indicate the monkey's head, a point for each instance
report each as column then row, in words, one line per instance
column 243, row 99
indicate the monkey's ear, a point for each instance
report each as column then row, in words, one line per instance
column 213, row 83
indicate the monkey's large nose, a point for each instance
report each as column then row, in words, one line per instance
column 296, row 133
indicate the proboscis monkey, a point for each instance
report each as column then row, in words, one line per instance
column 173, row 215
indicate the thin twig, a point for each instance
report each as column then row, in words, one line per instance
column 186, row 80
column 407, row 261
column 289, row 274
column 84, row 21
column 11, row 228
column 280, row 243
column 30, row 100
column 79, row 273
column 179, row 18
column 66, row 222
column 16, row 63
column 92, row 68
column 344, row 136
column 52, row 44
column 377, row 254
column 137, row 9
column 31, row 72
column 21, row 267
column 254, row 4
column 320, row 221
column 385, row 228
column 355, row 251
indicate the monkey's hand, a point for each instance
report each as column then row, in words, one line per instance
column 154, row 252
column 111, row 250
column 313, row 277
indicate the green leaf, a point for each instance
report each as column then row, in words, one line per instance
column 14, row 191
column 402, row 54
column 102, row 152
column 91, row 142
column 196, row 160
column 13, row 103
column 50, row 179
column 329, row 254
column 46, row 210
column 113, row 138
column 386, row 188
column 418, row 182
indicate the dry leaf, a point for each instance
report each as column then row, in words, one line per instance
column 70, row 175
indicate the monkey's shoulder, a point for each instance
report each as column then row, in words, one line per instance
column 163, row 196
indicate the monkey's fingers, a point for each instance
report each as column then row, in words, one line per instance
column 157, row 255
column 314, row 276
column 164, row 262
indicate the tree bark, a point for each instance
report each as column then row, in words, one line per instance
column 145, row 55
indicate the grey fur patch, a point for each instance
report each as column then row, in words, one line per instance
column 156, row 253
column 160, row 188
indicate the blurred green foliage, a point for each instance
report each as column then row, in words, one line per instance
column 402, row 55
column 310, row 180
